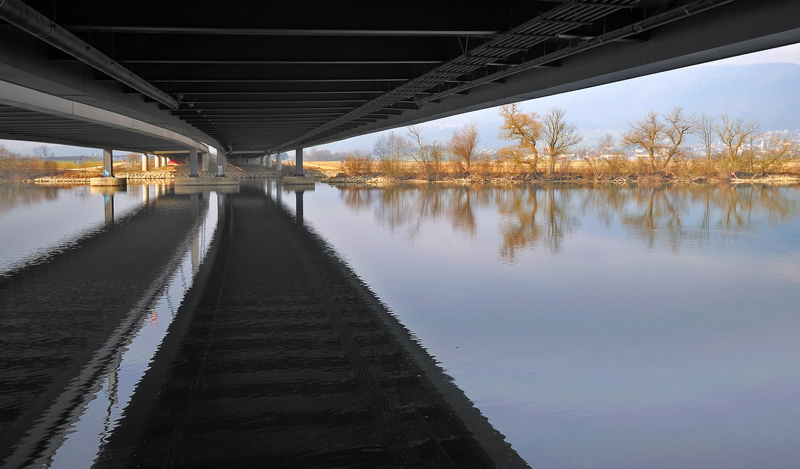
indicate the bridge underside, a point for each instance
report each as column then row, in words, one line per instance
column 273, row 76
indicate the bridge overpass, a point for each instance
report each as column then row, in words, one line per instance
column 254, row 78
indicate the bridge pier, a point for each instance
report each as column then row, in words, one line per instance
column 108, row 163
column 299, row 178
column 108, row 178
column 221, row 161
column 193, row 163
column 204, row 160
column 269, row 161
column 278, row 162
column 145, row 162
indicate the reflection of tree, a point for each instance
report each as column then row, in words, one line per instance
column 410, row 207
column 12, row 195
column 545, row 215
column 536, row 215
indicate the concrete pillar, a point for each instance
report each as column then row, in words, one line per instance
column 278, row 162
column 145, row 161
column 193, row 162
column 298, row 168
column 269, row 161
column 204, row 158
column 108, row 163
column 156, row 161
column 222, row 160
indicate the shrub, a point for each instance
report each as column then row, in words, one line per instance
column 358, row 163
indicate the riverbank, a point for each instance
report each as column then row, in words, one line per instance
column 344, row 179
column 166, row 175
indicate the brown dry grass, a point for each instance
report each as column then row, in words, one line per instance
column 618, row 170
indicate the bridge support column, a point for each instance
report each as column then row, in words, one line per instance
column 299, row 179
column 278, row 162
column 204, row 159
column 156, row 161
column 222, row 160
column 145, row 162
column 193, row 163
column 298, row 167
column 108, row 163
column 269, row 161
column 108, row 178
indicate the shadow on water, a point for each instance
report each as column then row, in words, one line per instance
column 77, row 328
column 287, row 360
column 211, row 329
column 543, row 216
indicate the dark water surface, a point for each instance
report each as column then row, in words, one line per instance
column 592, row 326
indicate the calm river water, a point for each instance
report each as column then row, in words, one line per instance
column 595, row 327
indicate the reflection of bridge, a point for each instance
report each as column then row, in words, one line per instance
column 260, row 78
column 314, row 372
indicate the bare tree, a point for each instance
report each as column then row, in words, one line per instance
column 559, row 136
column 429, row 156
column 358, row 163
column 391, row 150
column 779, row 150
column 734, row 133
column 648, row 134
column 525, row 128
column 606, row 145
column 43, row 152
column 463, row 144
column 707, row 129
column 677, row 127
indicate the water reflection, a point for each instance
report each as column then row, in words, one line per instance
column 81, row 322
column 545, row 216
column 15, row 195
column 38, row 222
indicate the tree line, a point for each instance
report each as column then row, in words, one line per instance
column 656, row 145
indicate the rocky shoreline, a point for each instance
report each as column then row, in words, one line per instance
column 342, row 179
column 777, row 179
